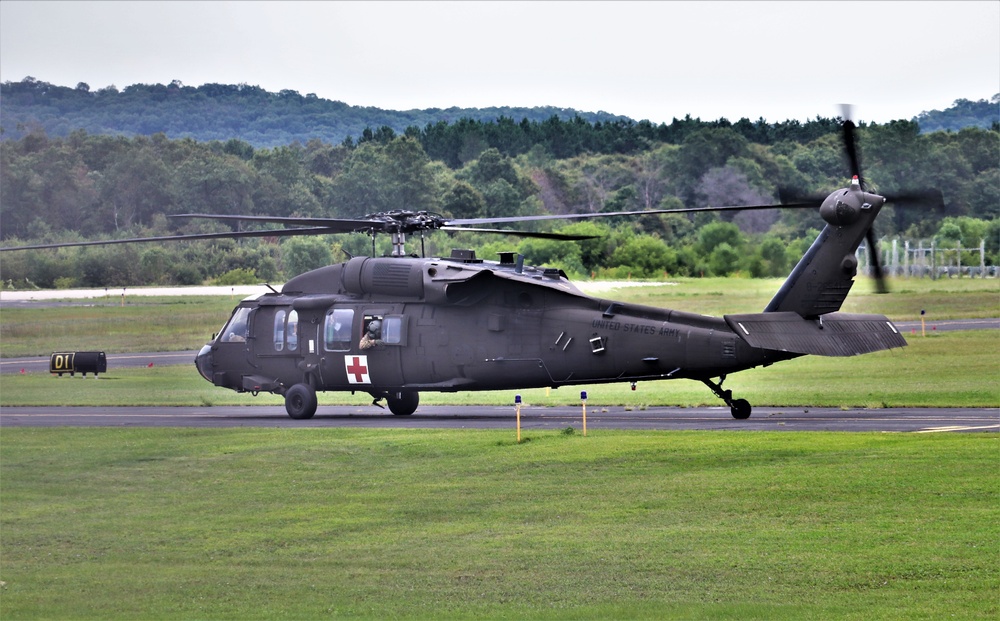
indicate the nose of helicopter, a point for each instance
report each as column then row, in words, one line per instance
column 204, row 362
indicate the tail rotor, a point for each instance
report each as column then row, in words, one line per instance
column 851, row 149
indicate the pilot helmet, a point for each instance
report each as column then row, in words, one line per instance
column 374, row 327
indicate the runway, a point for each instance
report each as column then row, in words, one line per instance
column 906, row 420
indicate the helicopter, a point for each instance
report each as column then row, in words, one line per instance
column 397, row 325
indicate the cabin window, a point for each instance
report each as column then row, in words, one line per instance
column 236, row 330
column 392, row 330
column 337, row 329
column 292, row 331
column 279, row 330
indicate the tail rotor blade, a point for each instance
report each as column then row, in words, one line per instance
column 851, row 148
column 930, row 199
column 880, row 286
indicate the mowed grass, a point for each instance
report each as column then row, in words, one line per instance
column 430, row 524
column 434, row 524
column 946, row 369
column 948, row 298
column 142, row 324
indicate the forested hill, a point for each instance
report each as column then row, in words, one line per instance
column 266, row 120
column 224, row 111
column 67, row 182
column 964, row 113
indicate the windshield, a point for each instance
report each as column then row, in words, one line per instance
column 236, row 330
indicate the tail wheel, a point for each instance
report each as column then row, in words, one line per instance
column 300, row 401
column 740, row 409
column 403, row 403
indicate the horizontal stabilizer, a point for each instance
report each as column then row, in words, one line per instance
column 835, row 334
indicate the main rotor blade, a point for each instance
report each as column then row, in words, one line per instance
column 193, row 236
column 558, row 236
column 613, row 214
column 343, row 225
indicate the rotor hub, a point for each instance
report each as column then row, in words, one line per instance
column 405, row 221
column 845, row 206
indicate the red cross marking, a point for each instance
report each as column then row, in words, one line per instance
column 359, row 370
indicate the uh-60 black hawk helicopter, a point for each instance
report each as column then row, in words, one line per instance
column 398, row 325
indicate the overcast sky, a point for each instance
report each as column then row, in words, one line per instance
column 645, row 60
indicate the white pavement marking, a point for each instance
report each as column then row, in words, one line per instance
column 958, row 428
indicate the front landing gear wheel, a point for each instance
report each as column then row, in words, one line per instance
column 300, row 401
column 403, row 403
column 740, row 409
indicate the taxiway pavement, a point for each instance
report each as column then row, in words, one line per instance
column 911, row 420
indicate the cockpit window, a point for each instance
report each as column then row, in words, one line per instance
column 292, row 333
column 236, row 330
column 279, row 330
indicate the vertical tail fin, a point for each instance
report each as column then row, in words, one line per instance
column 821, row 280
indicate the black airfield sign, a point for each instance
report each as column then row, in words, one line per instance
column 84, row 362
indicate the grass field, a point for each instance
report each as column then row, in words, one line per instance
column 425, row 524
column 336, row 523
column 955, row 298
column 142, row 324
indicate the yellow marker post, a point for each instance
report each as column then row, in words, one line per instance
column 517, row 409
column 923, row 327
column 583, row 398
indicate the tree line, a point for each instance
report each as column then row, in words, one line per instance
column 454, row 135
column 86, row 186
column 222, row 111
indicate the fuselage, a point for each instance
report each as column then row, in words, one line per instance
column 460, row 325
